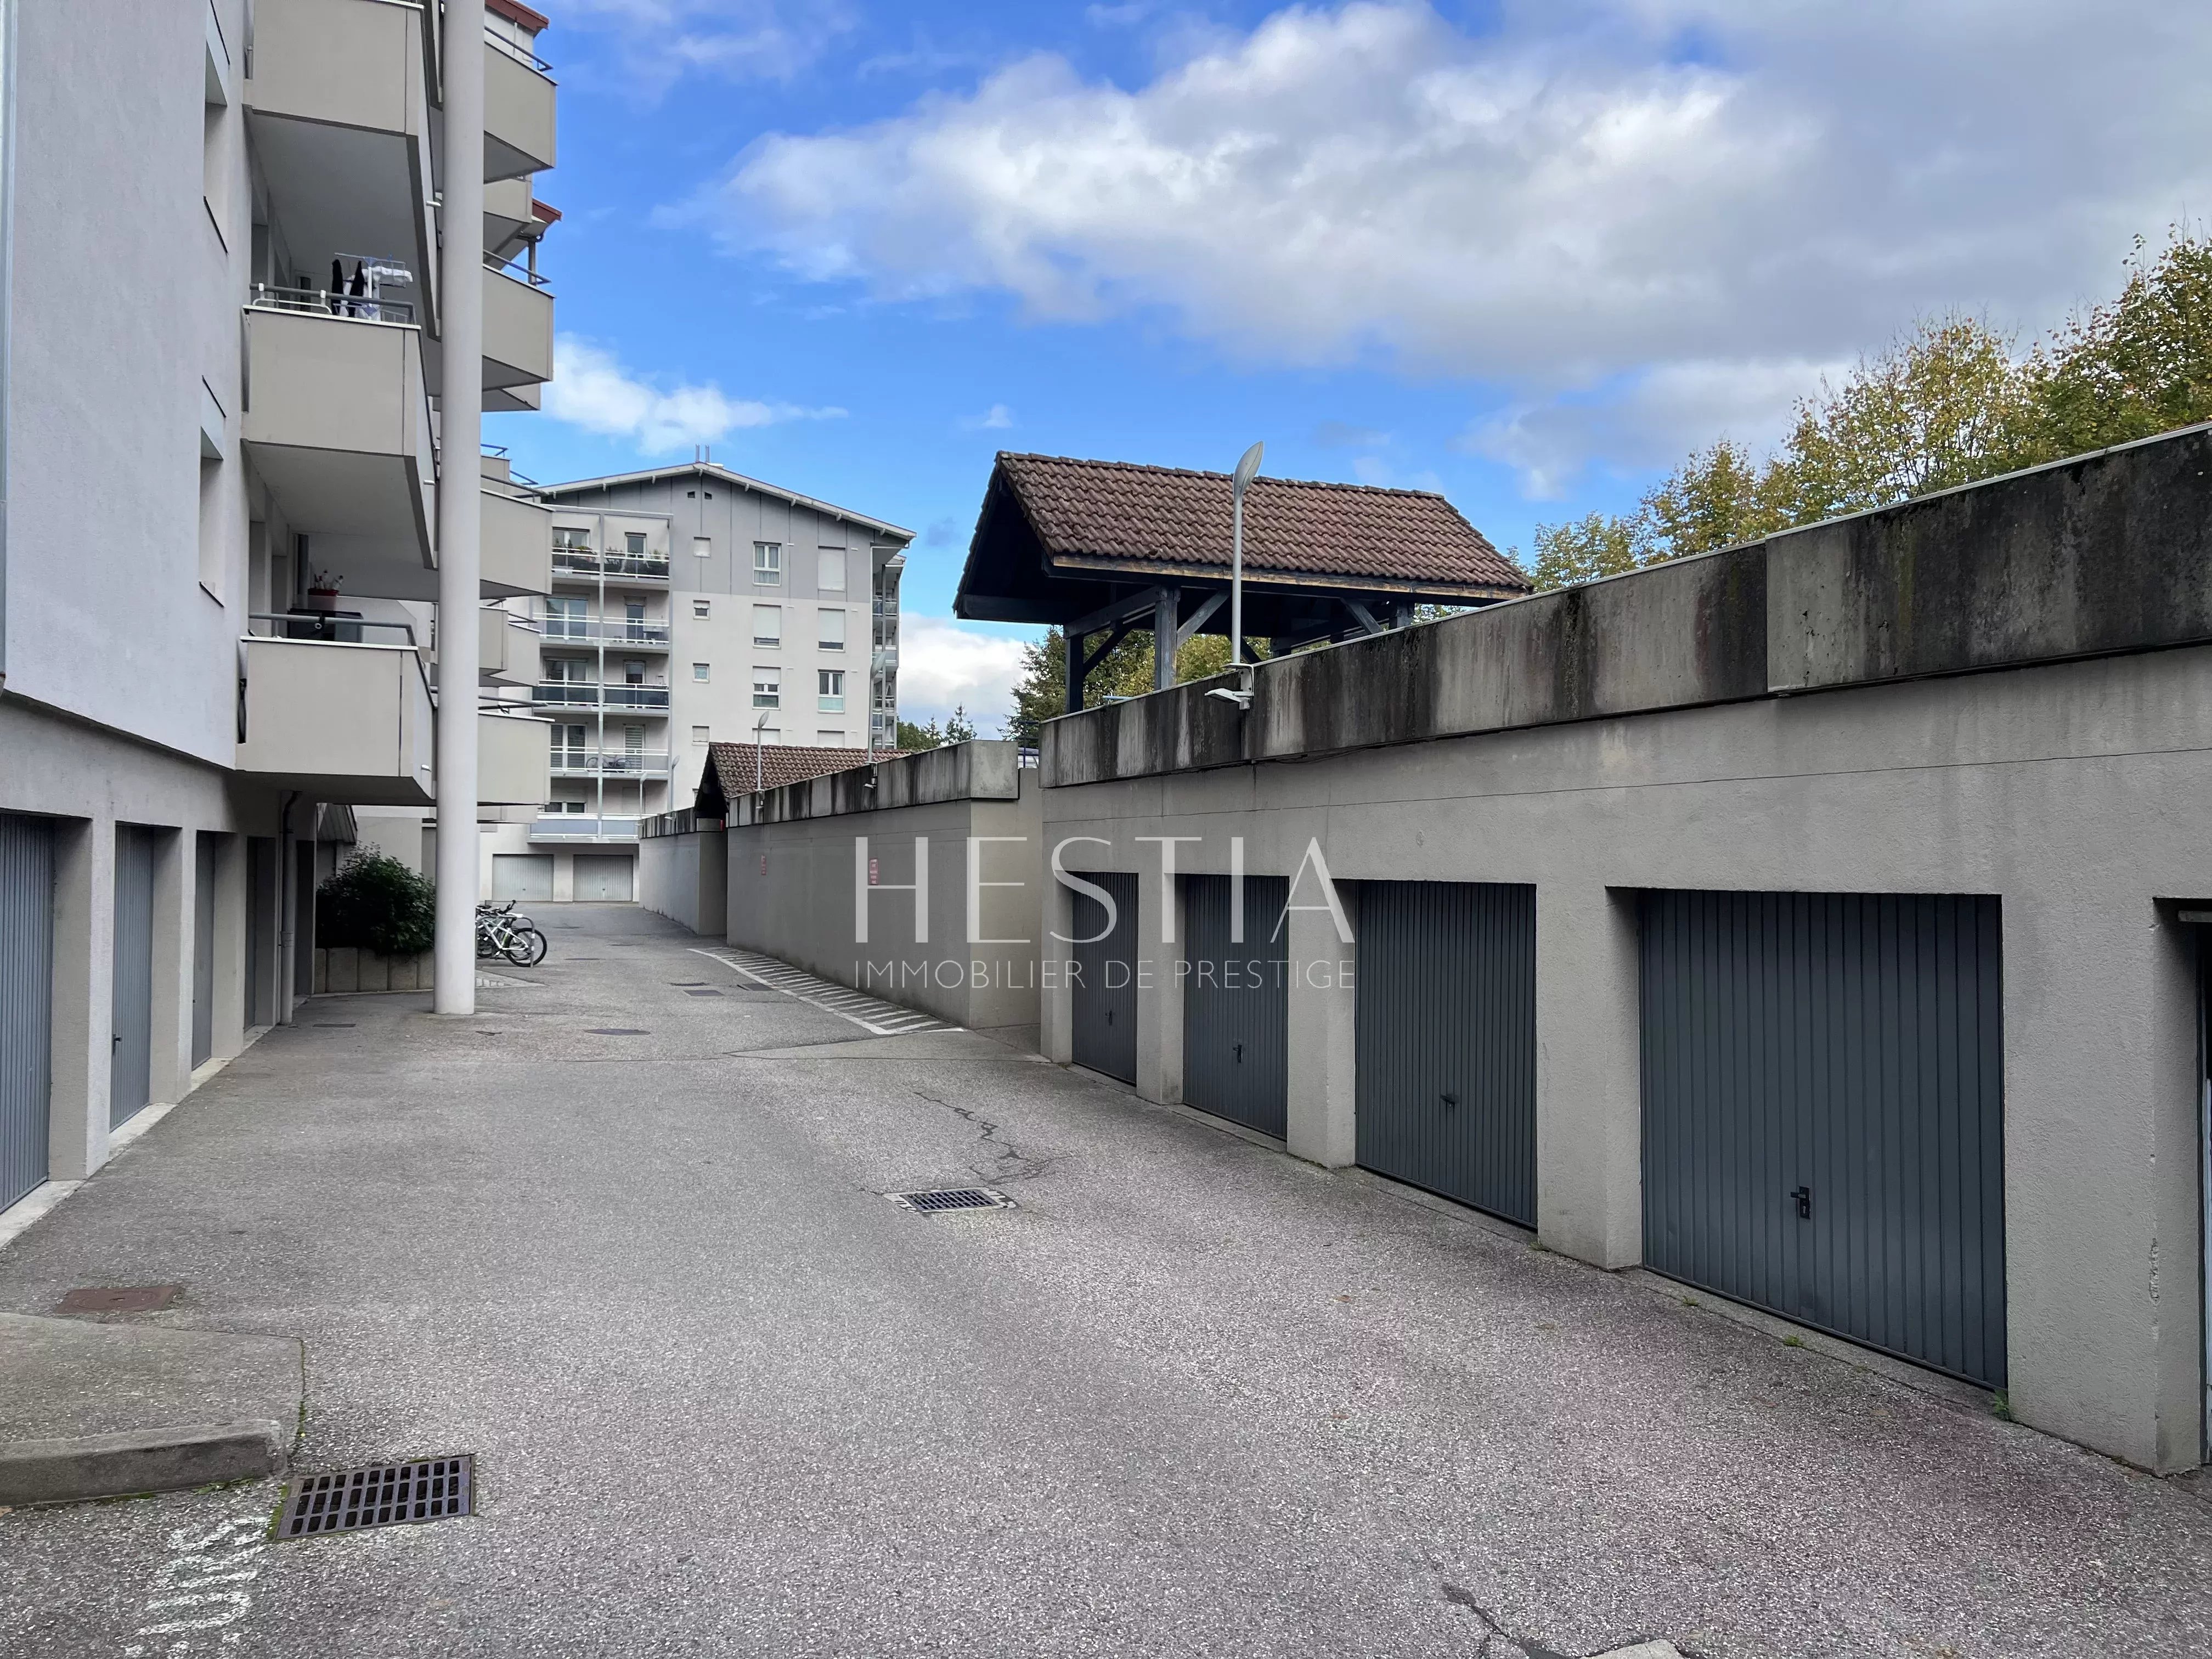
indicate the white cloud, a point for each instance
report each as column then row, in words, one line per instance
column 656, row 43
column 998, row 418
column 1588, row 192
column 943, row 663
column 590, row 389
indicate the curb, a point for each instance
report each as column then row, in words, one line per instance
column 156, row 1460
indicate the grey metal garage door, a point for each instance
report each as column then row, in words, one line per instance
column 604, row 876
column 522, row 875
column 1105, row 991
column 204, row 858
column 27, row 982
column 130, row 1067
column 1823, row 1113
column 1235, row 1001
column 1446, row 1026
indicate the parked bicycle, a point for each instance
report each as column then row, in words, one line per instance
column 501, row 933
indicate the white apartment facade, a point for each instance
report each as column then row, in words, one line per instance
column 218, row 628
column 691, row 605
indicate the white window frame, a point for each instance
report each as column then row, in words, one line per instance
column 826, row 560
column 775, row 613
column 703, row 546
column 767, row 564
column 703, row 673
column 821, row 621
column 767, row 687
column 829, row 691
column 702, row 735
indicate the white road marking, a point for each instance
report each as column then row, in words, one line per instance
column 184, row 1606
column 871, row 1014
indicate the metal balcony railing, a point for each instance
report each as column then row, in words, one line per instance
column 590, row 562
column 520, row 273
column 613, row 630
column 610, row 763
column 571, row 694
column 575, row 826
column 359, row 308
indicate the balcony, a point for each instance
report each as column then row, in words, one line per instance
column 630, row 699
column 613, row 632
column 507, row 649
column 588, row 564
column 651, row 764
column 511, row 759
column 338, row 99
column 519, row 110
column 338, row 425
column 349, row 723
column 516, row 543
column 575, row 826
column 518, row 326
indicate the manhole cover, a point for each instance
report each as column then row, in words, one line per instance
column 120, row 1299
column 378, row 1495
column 956, row 1198
column 334, row 1025
column 615, row 1031
column 703, row 994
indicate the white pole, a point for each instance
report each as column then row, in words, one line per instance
column 460, row 397
column 1236, row 586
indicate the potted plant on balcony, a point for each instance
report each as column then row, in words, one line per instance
column 323, row 591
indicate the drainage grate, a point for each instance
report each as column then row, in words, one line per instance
column 379, row 1495
column 120, row 1299
column 958, row 1198
column 703, row 994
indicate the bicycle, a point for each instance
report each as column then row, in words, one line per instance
column 500, row 932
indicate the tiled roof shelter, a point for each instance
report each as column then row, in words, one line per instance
column 733, row 767
column 1101, row 548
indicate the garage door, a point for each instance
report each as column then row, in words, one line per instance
column 1446, row 1027
column 602, row 876
column 1236, row 1000
column 27, row 979
column 522, row 876
column 1823, row 1113
column 203, row 879
column 130, row 1065
column 1105, row 991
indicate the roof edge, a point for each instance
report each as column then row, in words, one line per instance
column 714, row 470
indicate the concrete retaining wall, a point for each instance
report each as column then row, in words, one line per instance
column 345, row 969
column 685, row 877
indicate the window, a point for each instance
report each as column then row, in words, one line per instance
column 830, row 630
column 829, row 740
column 560, row 806
column 704, row 546
column 767, row 562
column 565, row 620
column 829, row 688
column 700, row 609
column 830, row 578
column 633, row 543
column 699, row 734
column 701, row 671
column 569, row 540
column 770, row 736
column 768, row 625
column 634, row 673
column 768, row 688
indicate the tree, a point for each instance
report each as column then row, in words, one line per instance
column 1041, row 691
column 2138, row 365
column 1584, row 550
column 958, row 728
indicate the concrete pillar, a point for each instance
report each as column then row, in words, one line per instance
column 1589, row 1120
column 228, row 1035
column 1322, row 1074
column 170, row 1076
column 84, row 996
column 2104, row 1237
column 460, row 412
column 1159, row 987
column 1055, row 963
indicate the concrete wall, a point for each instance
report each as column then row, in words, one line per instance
column 797, row 866
column 686, row 878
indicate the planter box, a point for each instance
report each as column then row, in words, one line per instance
column 343, row 969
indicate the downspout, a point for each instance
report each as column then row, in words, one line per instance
column 7, row 290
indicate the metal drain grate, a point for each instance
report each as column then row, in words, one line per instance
column 958, row 1198
column 378, row 1495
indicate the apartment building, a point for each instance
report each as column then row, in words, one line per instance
column 691, row 605
column 229, row 345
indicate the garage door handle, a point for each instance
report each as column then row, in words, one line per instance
column 1804, row 1197
column 1240, row 1054
column 1450, row 1100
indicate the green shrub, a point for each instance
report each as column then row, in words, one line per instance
column 374, row 902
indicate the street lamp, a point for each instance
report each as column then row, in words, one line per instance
column 758, row 725
column 1248, row 468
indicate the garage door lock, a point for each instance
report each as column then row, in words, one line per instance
column 1804, row 1197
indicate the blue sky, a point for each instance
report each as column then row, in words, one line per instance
column 1528, row 254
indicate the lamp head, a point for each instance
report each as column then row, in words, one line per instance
column 1246, row 470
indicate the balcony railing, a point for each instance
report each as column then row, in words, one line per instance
column 609, row 762
column 570, row 694
column 575, row 826
column 611, row 630
column 590, row 562
column 360, row 307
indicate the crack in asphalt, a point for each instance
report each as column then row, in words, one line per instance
column 1494, row 1631
column 1011, row 1163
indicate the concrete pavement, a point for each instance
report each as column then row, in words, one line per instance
column 1190, row 1397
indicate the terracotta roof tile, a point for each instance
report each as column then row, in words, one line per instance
column 1122, row 510
column 780, row 763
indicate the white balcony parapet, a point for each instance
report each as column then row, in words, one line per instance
column 610, row 631
column 610, row 764
column 347, row 722
column 568, row 826
column 588, row 564
column 578, row 694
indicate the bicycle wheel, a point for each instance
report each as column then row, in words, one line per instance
column 527, row 948
column 485, row 949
